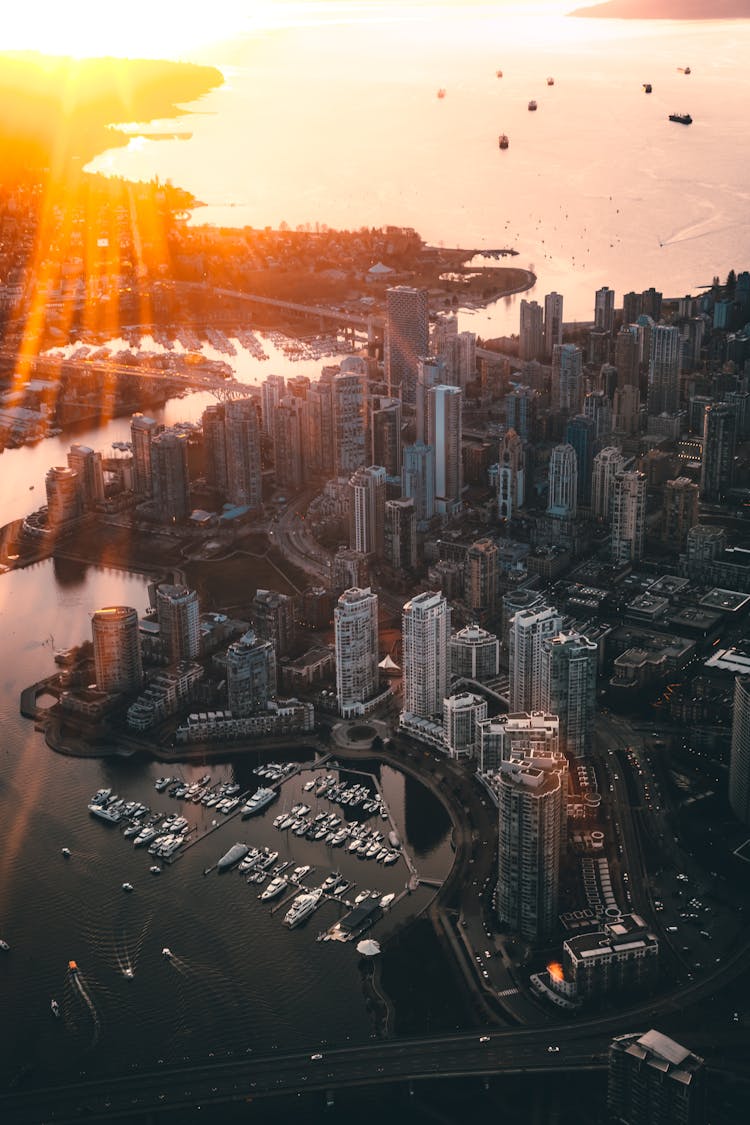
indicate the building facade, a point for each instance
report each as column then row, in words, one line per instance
column 117, row 650
column 426, row 625
column 356, row 636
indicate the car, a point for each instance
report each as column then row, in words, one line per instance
column 316, row 1057
column 552, row 1050
column 484, row 1038
column 485, row 974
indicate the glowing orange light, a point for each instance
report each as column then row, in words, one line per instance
column 555, row 970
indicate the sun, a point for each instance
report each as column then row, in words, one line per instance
column 162, row 29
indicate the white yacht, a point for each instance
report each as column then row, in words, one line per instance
column 302, row 907
column 274, row 888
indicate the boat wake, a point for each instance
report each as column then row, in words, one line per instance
column 127, row 952
column 80, row 987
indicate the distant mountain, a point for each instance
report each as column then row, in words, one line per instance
column 668, row 10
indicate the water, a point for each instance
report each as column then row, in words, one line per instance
column 239, row 979
column 340, row 125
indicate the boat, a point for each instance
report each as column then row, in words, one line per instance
column 390, row 858
column 111, row 815
column 132, row 830
column 532, row 104
column 66, row 852
column 161, row 783
column 361, row 897
column 393, row 839
column 647, row 87
column 681, row 118
column 386, row 900
column 155, row 869
column 302, row 907
column 4, row 945
column 145, row 836
column 502, row 141
column 127, row 887
column 72, row 966
column 309, row 785
column 441, row 92
column 274, row 888
column 232, row 857
column 55, row 1008
column 550, row 81
column 166, row 952
column 498, row 74
column 259, row 800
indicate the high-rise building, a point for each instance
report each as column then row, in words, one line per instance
column 356, row 636
column 511, row 475
column 531, row 330
column 717, row 463
column 597, row 405
column 170, row 481
column 407, row 336
column 142, row 432
column 88, row 466
column 604, row 309
column 654, row 1081
column 626, row 407
column 562, row 496
column 628, row 517
column 528, row 629
column 474, row 654
column 272, row 390
column 319, row 426
column 273, row 617
column 367, row 510
column 459, row 351
column 520, row 410
column 607, row 463
column 431, row 372
column 567, row 378
column 650, row 304
column 739, row 762
column 444, row 406
column 385, row 431
column 244, row 480
column 553, row 321
column 512, row 602
column 215, row 446
column 680, row 511
column 400, row 534
column 288, row 431
column 350, row 421
column 530, row 810
column 178, row 614
column 426, row 626
column 350, row 568
column 568, row 688
column 481, row 574
column 418, row 479
column 521, row 735
column 462, row 714
column 631, row 307
column 581, row 434
column 664, row 370
column 117, row 649
column 64, row 501
column 251, row 674
column 627, row 359
column 298, row 386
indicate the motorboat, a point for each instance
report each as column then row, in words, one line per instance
column 259, row 800
column 167, row 952
column 386, row 900
column 55, row 1008
column 681, row 118
column 302, row 907
column 502, row 141
column 155, row 869
column 72, row 966
column 127, row 887
column 4, row 945
column 532, row 105
column 274, row 888
column 66, row 852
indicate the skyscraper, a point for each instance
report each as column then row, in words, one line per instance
column 581, row 434
column 272, row 390
column 626, row 410
column 531, row 330
column 627, row 359
column 142, row 431
column 520, row 410
column 356, row 636
column 553, row 321
column 273, row 617
column 462, row 714
column 607, row 463
column 604, row 309
column 628, row 516
column 511, row 475
column 418, row 479
column 400, row 534
column 664, row 370
column 562, row 497
column 568, row 688
column 717, row 464
column 178, row 614
column 481, row 574
column 680, row 511
column 521, row 735
column 460, row 354
column 117, row 650
column 243, row 453
column 170, row 482
column 739, row 761
column 597, row 406
column 64, row 500
column 288, row 432
column 367, row 510
column 251, row 674
column 431, row 372
column 474, row 654
column 350, row 420
column 88, row 466
column 385, row 431
column 567, row 378
column 319, row 426
column 527, row 630
column 215, row 446
column 406, row 338
column 530, row 811
column 426, row 625
column 654, row 1081
column 444, row 406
